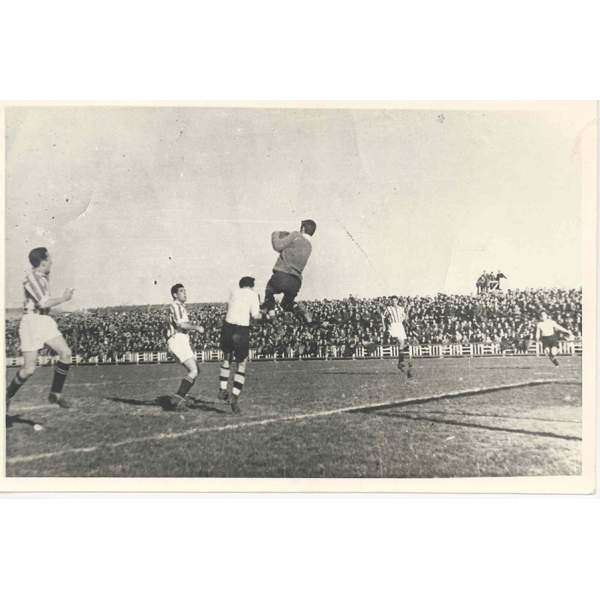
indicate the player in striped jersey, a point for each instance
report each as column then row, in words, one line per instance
column 37, row 329
column 178, row 342
column 395, row 315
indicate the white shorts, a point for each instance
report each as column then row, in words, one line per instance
column 179, row 346
column 35, row 330
column 397, row 331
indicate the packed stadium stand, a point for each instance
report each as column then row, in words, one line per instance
column 507, row 319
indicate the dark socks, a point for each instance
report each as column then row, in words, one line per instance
column 186, row 385
column 14, row 385
column 60, row 374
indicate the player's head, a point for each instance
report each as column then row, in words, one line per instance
column 394, row 300
column 178, row 292
column 40, row 258
column 308, row 226
column 247, row 282
column 543, row 315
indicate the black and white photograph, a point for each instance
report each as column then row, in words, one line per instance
column 300, row 296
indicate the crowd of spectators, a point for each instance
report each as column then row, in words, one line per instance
column 488, row 281
column 507, row 318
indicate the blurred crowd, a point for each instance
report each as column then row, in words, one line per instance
column 508, row 318
column 489, row 281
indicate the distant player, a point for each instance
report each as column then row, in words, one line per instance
column 294, row 251
column 178, row 342
column 235, row 339
column 37, row 329
column 395, row 315
column 545, row 332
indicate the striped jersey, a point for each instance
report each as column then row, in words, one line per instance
column 37, row 293
column 394, row 314
column 177, row 315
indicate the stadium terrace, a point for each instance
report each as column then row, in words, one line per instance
column 505, row 319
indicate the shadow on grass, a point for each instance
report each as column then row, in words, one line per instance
column 208, row 406
column 17, row 419
column 503, row 368
column 494, row 416
column 407, row 417
column 134, row 402
column 164, row 402
column 336, row 373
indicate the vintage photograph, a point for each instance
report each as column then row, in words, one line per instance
column 315, row 292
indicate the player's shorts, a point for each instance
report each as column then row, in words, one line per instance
column 397, row 331
column 179, row 346
column 282, row 283
column 235, row 341
column 549, row 341
column 35, row 330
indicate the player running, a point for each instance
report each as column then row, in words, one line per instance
column 545, row 332
column 235, row 339
column 37, row 329
column 178, row 342
column 294, row 251
column 395, row 315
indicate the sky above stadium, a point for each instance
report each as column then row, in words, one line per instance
column 130, row 200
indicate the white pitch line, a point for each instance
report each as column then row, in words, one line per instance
column 269, row 421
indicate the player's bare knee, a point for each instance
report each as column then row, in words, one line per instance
column 66, row 356
column 27, row 371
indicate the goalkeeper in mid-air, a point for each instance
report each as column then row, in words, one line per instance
column 294, row 251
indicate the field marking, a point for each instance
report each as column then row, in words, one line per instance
column 294, row 417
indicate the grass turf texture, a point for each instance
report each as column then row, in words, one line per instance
column 118, row 428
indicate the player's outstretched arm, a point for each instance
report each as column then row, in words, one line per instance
column 187, row 326
column 280, row 240
column 50, row 302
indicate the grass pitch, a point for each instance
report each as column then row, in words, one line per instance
column 307, row 419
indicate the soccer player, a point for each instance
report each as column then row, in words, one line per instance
column 235, row 335
column 546, row 331
column 395, row 315
column 294, row 251
column 178, row 342
column 37, row 329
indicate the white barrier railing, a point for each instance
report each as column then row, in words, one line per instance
column 324, row 353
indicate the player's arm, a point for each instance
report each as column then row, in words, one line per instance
column 280, row 240
column 383, row 317
column 187, row 326
column 50, row 302
column 43, row 300
column 538, row 332
column 557, row 327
